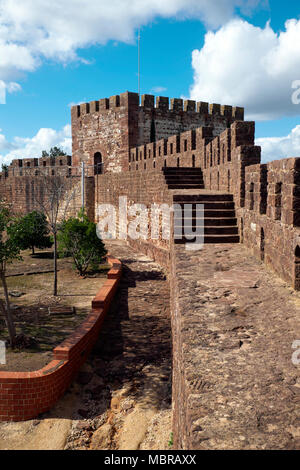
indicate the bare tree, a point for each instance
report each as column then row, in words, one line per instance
column 9, row 251
column 54, row 198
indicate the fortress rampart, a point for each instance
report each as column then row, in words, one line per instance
column 109, row 128
column 169, row 152
column 131, row 142
column 266, row 196
column 22, row 183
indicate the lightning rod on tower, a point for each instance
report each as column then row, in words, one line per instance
column 139, row 62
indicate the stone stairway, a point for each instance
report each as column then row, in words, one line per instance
column 183, row 178
column 219, row 221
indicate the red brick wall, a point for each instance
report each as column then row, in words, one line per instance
column 23, row 193
column 24, row 395
column 270, row 218
column 142, row 187
column 108, row 126
column 230, row 162
column 113, row 126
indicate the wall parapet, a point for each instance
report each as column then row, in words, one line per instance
column 164, row 103
column 25, row 395
column 33, row 167
column 198, row 147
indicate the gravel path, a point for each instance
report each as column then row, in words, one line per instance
column 122, row 396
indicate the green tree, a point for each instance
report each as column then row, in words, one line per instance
column 53, row 153
column 78, row 237
column 4, row 168
column 9, row 251
column 56, row 152
column 31, row 231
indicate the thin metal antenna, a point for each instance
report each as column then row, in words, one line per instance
column 82, row 186
column 139, row 62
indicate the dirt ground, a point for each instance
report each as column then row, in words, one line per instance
column 30, row 308
column 122, row 396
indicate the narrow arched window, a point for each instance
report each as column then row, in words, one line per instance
column 98, row 164
column 262, row 244
column 278, row 201
column 251, row 196
column 152, row 132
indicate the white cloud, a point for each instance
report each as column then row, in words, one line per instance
column 158, row 89
column 274, row 148
column 3, row 143
column 13, row 87
column 10, row 87
column 32, row 30
column 244, row 65
column 46, row 138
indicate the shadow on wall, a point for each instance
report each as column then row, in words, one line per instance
column 127, row 344
column 130, row 342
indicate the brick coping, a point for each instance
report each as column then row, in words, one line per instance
column 24, row 395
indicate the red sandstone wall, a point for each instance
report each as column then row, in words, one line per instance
column 23, row 193
column 108, row 126
column 230, row 162
column 142, row 187
column 223, row 159
column 270, row 218
column 112, row 126
column 24, row 395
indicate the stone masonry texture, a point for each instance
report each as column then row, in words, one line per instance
column 234, row 385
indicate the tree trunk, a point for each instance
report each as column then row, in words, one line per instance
column 33, row 250
column 7, row 313
column 55, row 265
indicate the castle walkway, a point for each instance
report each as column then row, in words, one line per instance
column 234, row 383
column 122, row 396
column 235, row 325
column 127, row 403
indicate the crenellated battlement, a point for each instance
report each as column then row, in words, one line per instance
column 151, row 102
column 110, row 127
column 157, row 153
column 196, row 145
column 126, row 142
column 32, row 166
column 112, row 103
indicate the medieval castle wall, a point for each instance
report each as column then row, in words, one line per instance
column 125, row 144
column 109, row 128
column 22, row 184
column 266, row 195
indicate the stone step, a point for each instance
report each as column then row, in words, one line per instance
column 218, row 230
column 209, row 204
column 189, row 198
column 169, row 169
column 219, row 213
column 185, row 186
column 187, row 173
column 212, row 239
column 209, row 222
column 183, row 181
column 186, row 178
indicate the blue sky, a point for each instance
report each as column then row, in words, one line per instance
column 49, row 60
